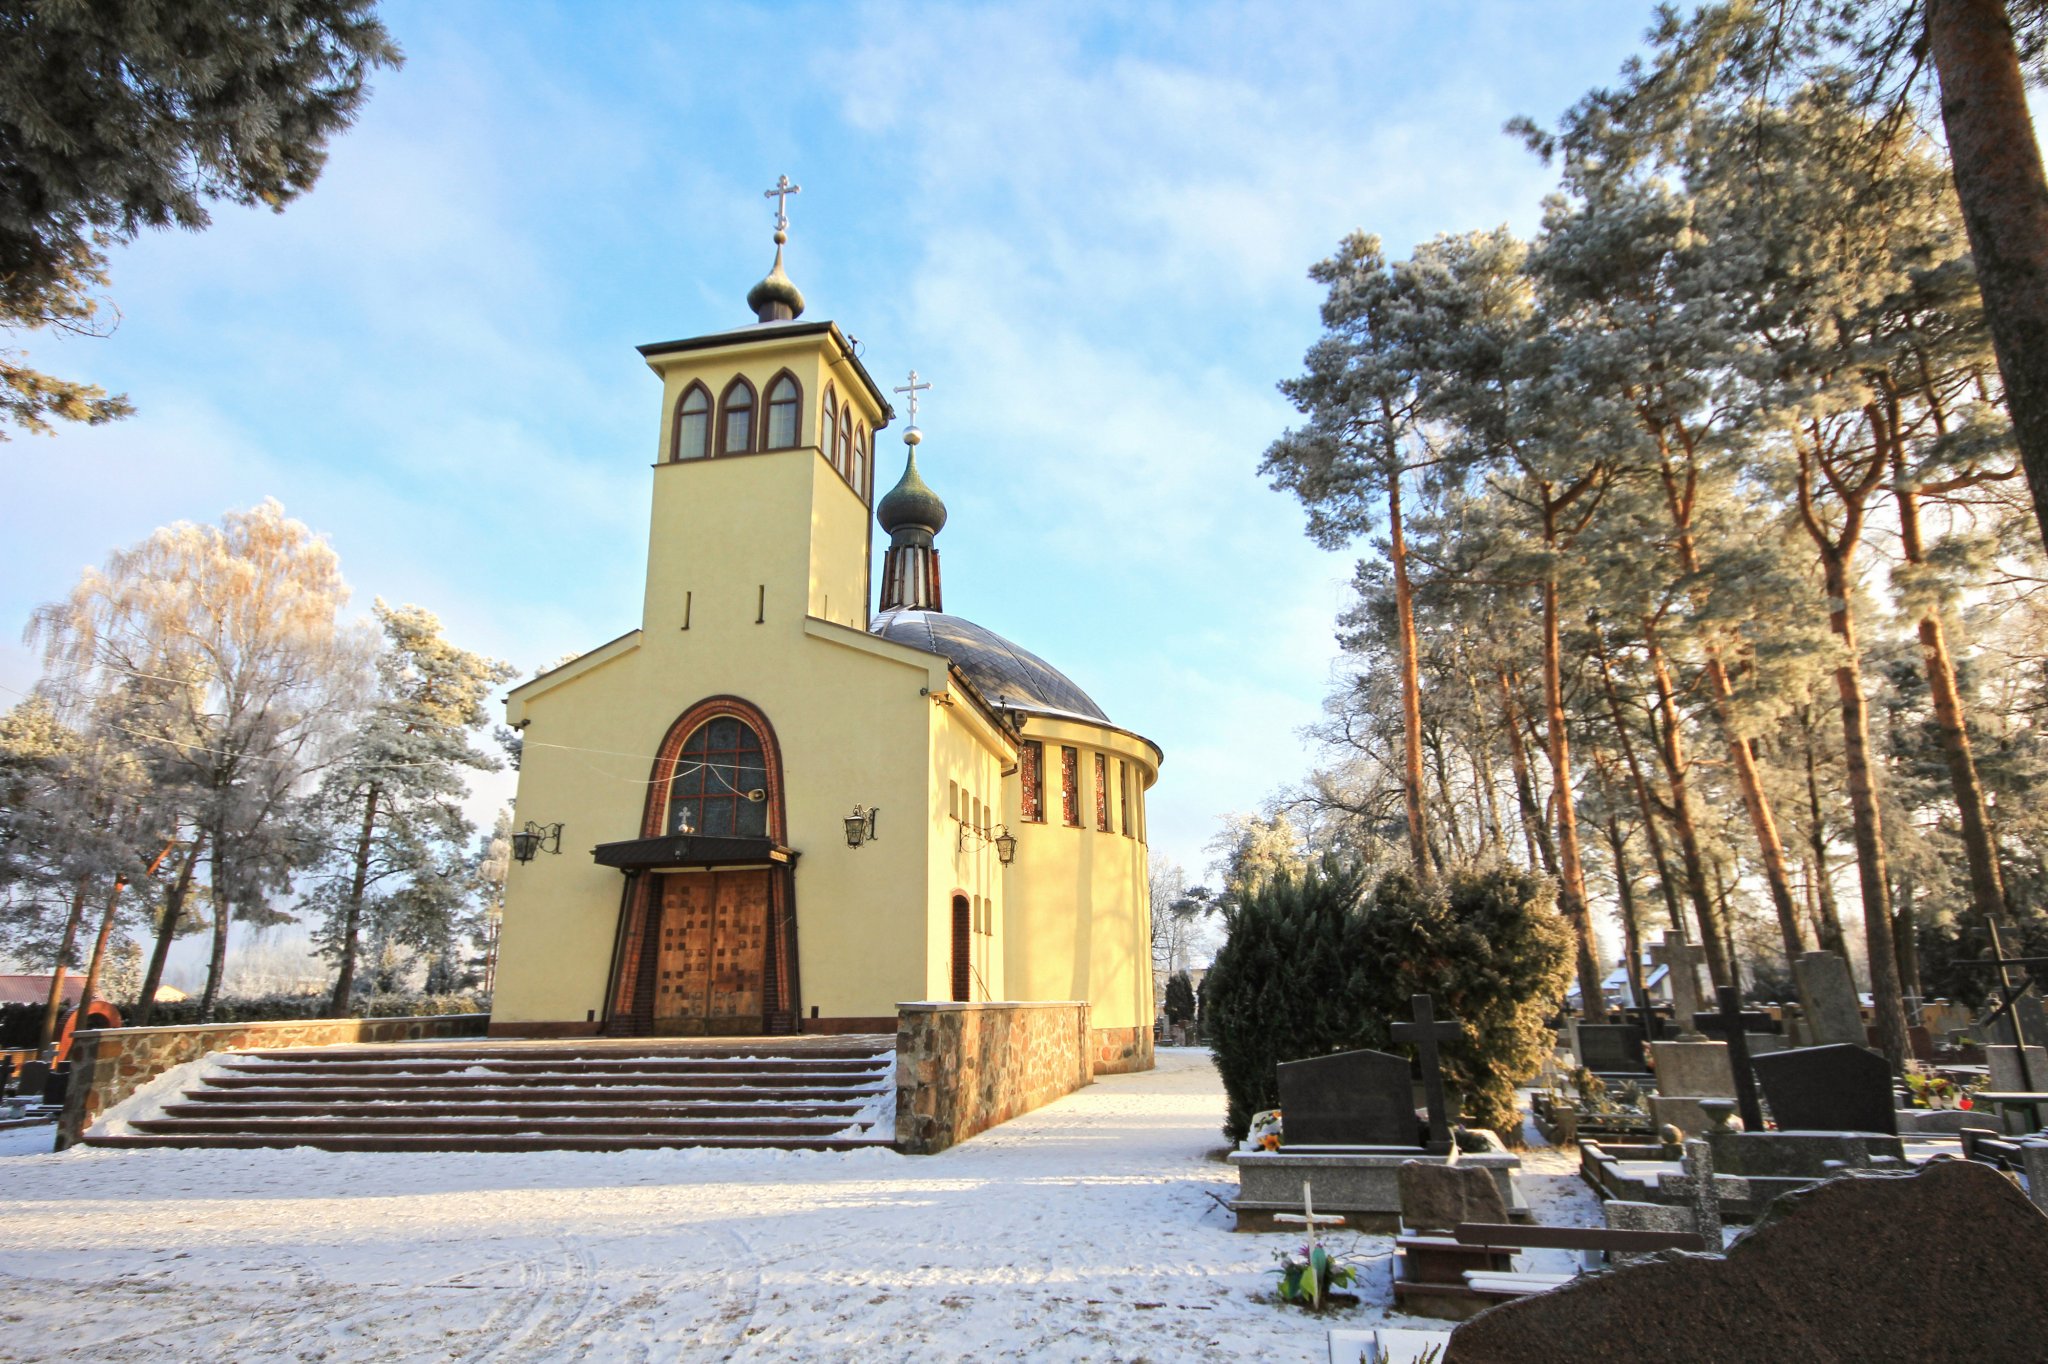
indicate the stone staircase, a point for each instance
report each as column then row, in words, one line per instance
column 780, row 1093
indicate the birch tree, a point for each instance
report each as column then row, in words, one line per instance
column 236, row 673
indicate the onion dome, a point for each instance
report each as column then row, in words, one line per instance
column 911, row 505
column 776, row 298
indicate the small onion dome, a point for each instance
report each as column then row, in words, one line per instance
column 911, row 503
column 776, row 298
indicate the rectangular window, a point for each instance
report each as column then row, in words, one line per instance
column 953, row 799
column 1031, row 772
column 1070, row 786
column 1101, row 793
column 975, row 823
column 1123, row 796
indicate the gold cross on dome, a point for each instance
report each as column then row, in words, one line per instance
column 913, row 388
column 780, row 194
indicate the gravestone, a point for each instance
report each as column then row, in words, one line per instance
column 1682, row 961
column 1611, row 1048
column 1436, row 1197
column 2004, row 1063
column 1697, row 1070
column 1828, row 1089
column 1354, row 1098
column 1732, row 1025
column 34, row 1076
column 1681, row 1111
column 1623, row 1215
column 1947, row 1263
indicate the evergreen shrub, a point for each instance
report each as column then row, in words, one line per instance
column 1180, row 999
column 1489, row 946
column 1286, row 984
column 1314, row 965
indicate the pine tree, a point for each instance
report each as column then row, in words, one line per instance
column 392, row 802
column 115, row 118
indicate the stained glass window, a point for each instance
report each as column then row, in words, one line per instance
column 1031, row 771
column 1123, row 796
column 831, row 423
column 1101, row 793
column 1070, row 786
column 721, row 782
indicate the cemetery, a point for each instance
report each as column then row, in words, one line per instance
column 1532, row 851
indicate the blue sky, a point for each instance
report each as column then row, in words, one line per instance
column 1089, row 226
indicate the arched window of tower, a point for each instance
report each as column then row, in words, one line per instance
column 736, row 419
column 693, row 424
column 784, row 403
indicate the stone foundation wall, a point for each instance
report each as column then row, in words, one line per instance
column 107, row 1065
column 963, row 1068
column 1121, row 1050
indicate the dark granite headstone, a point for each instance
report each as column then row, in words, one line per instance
column 33, row 1076
column 1835, row 1088
column 1354, row 1098
column 1612, row 1048
column 1947, row 1263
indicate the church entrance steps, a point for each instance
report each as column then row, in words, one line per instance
column 782, row 1093
column 527, row 1142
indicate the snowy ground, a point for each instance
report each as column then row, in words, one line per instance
column 1088, row 1230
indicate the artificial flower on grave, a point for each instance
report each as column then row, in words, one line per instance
column 1307, row 1275
column 1264, row 1134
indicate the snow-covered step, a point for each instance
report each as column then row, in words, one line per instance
column 498, row 1096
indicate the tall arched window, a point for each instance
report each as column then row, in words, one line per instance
column 844, row 460
column 831, row 425
column 720, row 788
column 736, row 419
column 693, row 425
column 857, row 472
column 784, row 403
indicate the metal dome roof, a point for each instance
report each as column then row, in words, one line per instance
column 1004, row 674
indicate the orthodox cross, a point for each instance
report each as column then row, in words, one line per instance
column 913, row 388
column 1731, row 1025
column 1309, row 1217
column 1425, row 1032
column 780, row 194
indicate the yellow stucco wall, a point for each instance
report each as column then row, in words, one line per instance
column 1079, row 921
column 757, row 587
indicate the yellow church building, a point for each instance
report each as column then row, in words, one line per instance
column 781, row 811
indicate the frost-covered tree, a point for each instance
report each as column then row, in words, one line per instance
column 391, row 805
column 223, row 648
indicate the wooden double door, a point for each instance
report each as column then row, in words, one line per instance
column 712, row 964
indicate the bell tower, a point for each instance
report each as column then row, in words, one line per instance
column 763, row 469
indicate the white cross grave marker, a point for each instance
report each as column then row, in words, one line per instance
column 1309, row 1217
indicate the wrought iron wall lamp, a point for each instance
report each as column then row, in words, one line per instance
column 535, row 838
